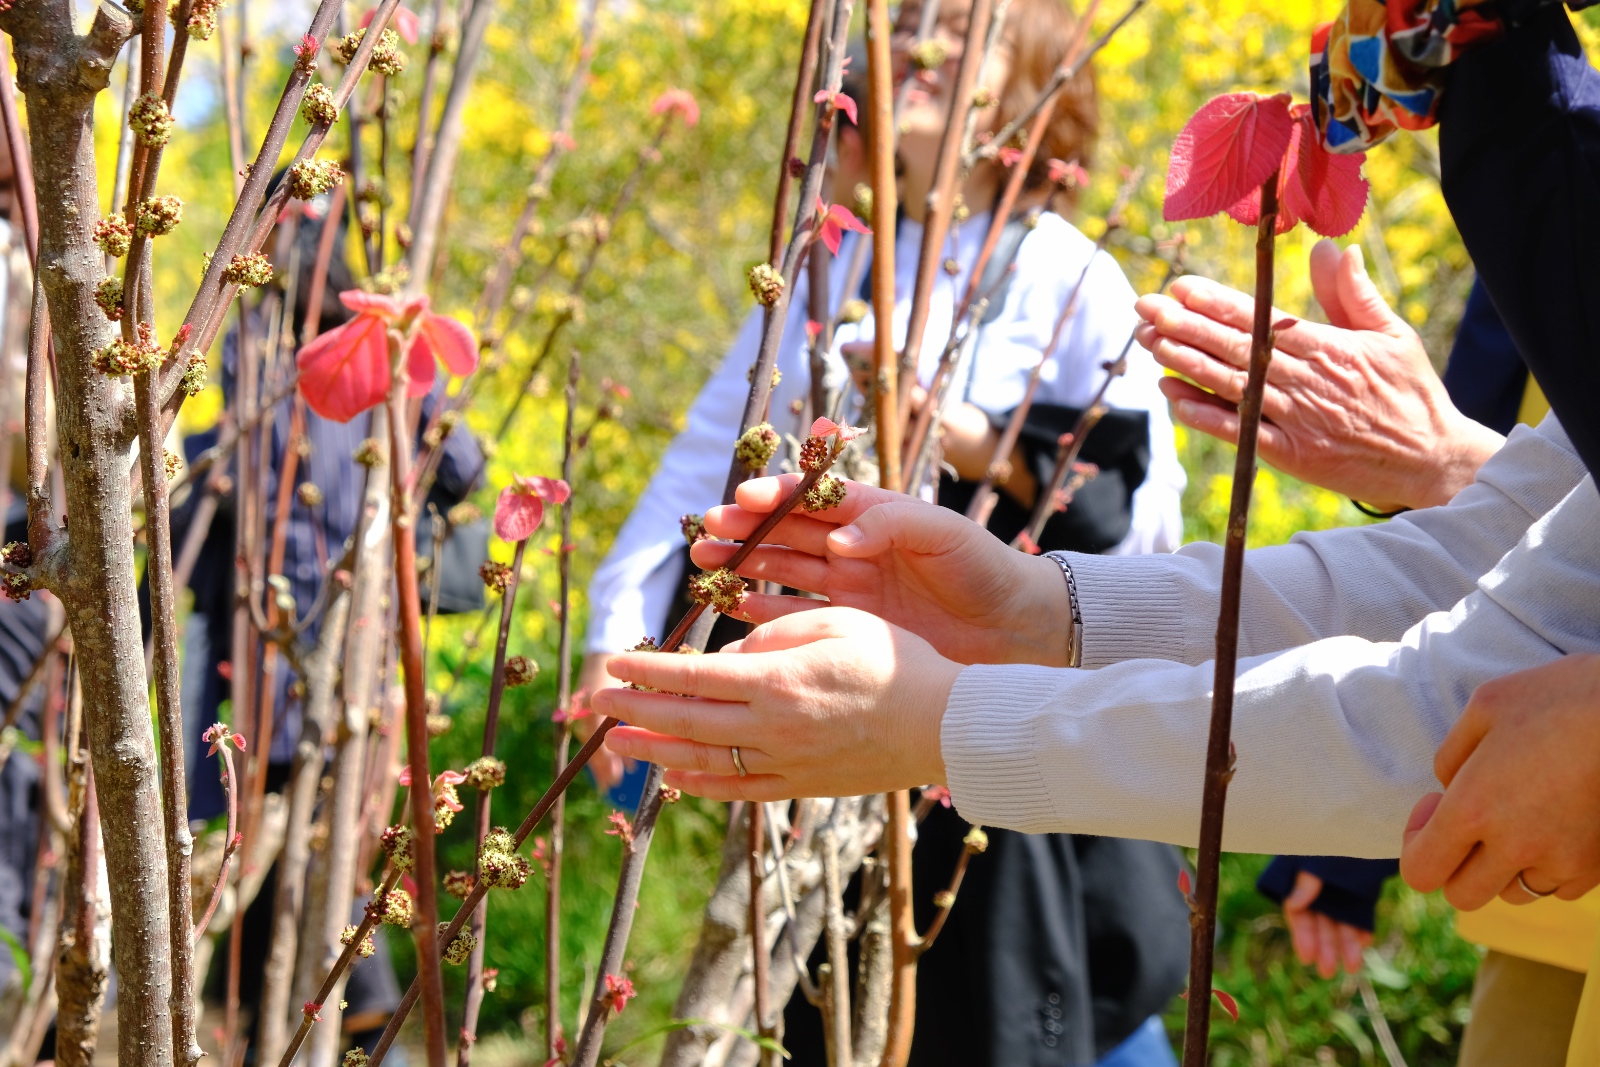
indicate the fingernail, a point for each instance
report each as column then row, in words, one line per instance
column 1185, row 410
column 1198, row 297
column 847, row 536
column 1360, row 257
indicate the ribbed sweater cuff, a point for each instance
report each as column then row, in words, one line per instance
column 990, row 755
column 1132, row 609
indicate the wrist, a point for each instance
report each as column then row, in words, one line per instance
column 1044, row 631
column 1466, row 446
column 923, row 720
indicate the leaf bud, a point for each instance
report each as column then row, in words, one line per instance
column 756, row 446
column 829, row 492
column 766, row 283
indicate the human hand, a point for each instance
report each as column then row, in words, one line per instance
column 914, row 564
column 822, row 703
column 1318, row 939
column 1354, row 406
column 1521, row 770
column 606, row 766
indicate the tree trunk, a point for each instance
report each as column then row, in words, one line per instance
column 92, row 571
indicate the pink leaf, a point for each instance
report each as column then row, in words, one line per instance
column 361, row 302
column 679, row 101
column 551, row 490
column 346, row 371
column 1325, row 190
column 1228, row 147
column 1229, row 1005
column 563, row 140
column 834, row 221
column 405, row 775
column 824, row 427
column 517, row 514
column 846, row 104
column 402, row 22
column 1009, row 157
column 1068, row 174
column 813, row 329
column 419, row 368
column 1183, row 883
column 452, row 342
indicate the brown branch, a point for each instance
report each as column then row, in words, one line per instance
column 430, row 80
column 984, row 499
column 229, row 846
column 21, row 161
column 410, row 637
column 976, row 841
column 447, row 142
column 168, row 678
column 1219, row 745
column 1052, row 89
column 368, row 921
column 510, row 257
column 558, row 829
column 580, row 281
column 1002, row 214
column 880, row 150
column 941, row 200
column 491, row 726
column 756, row 918
column 815, row 17
column 1053, row 496
column 836, row 987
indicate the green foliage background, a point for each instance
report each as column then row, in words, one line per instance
column 657, row 315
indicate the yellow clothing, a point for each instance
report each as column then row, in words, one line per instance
column 1584, row 1051
column 1551, row 931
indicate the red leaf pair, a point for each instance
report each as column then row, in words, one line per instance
column 346, row 371
column 1232, row 145
column 520, row 508
column 403, row 21
column 680, row 102
column 1229, row 1005
column 833, row 221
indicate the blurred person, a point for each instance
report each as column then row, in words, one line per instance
column 1063, row 948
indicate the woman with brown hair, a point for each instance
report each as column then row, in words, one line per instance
column 1061, row 949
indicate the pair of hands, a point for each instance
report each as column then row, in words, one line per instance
column 842, row 699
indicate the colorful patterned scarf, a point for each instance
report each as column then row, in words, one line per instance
column 1380, row 65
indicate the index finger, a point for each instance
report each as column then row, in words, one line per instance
column 1292, row 334
column 763, row 495
column 1433, row 852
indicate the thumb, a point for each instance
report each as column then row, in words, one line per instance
column 1307, row 887
column 1364, row 307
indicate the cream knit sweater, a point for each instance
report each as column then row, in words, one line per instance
column 1358, row 650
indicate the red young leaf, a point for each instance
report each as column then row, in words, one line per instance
column 517, row 514
column 346, row 371
column 1183, row 883
column 1229, row 1005
column 552, row 490
column 419, row 368
column 835, row 220
column 403, row 22
column 451, row 342
column 679, row 101
column 1228, row 147
column 361, row 302
column 1325, row 191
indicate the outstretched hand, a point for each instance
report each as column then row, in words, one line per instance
column 1353, row 406
column 913, row 564
column 819, row 703
column 1320, row 940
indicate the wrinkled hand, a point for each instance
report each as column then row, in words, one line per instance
column 1354, row 406
column 1318, row 939
column 916, row 565
column 821, row 703
column 1521, row 770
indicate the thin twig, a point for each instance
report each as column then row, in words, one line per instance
column 880, row 150
column 1219, row 746
column 230, row 846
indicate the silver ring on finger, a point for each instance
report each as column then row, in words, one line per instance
column 1528, row 889
column 738, row 765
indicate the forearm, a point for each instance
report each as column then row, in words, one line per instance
column 1371, row 581
column 1336, row 739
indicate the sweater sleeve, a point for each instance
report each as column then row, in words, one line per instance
column 1335, row 738
column 1373, row 581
